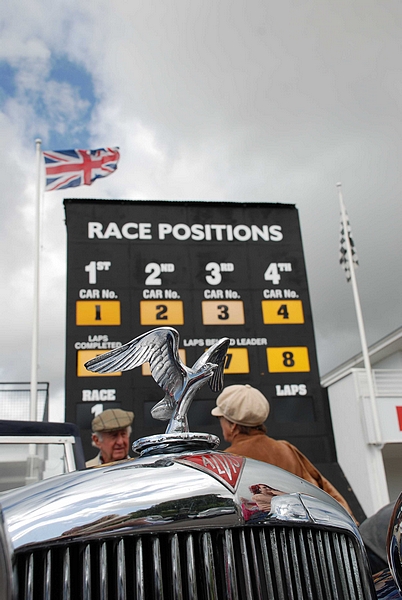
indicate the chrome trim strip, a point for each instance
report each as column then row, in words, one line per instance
column 329, row 561
column 313, row 556
column 66, row 575
column 277, row 566
column 295, row 563
column 256, row 569
column 246, row 566
column 342, row 574
column 165, row 442
column 306, row 571
column 394, row 543
column 103, row 572
column 285, row 557
column 139, row 570
column 158, row 581
column 86, row 572
column 209, row 567
column 347, row 566
column 121, row 571
column 30, row 579
column 323, row 565
column 37, row 439
column 356, row 578
column 47, row 578
column 191, row 571
column 267, row 567
column 176, row 568
column 70, row 458
column 230, row 566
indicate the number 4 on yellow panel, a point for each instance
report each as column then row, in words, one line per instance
column 282, row 312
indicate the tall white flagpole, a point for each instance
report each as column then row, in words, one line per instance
column 363, row 341
column 33, row 411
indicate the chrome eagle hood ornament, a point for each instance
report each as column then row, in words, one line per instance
column 160, row 347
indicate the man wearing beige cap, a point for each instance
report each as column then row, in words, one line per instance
column 242, row 411
column 111, row 431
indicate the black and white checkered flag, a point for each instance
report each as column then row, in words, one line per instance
column 343, row 252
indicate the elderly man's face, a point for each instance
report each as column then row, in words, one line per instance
column 113, row 445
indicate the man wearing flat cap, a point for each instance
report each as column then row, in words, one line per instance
column 111, row 431
column 242, row 411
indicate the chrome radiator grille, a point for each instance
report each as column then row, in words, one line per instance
column 275, row 563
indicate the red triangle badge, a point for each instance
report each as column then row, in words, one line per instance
column 227, row 468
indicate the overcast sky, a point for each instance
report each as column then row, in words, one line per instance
column 230, row 100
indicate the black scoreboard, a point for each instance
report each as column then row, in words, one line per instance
column 210, row 270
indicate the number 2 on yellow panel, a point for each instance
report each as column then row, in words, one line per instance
column 168, row 312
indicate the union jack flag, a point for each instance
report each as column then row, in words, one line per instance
column 70, row 168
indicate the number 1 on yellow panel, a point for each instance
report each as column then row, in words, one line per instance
column 282, row 312
column 97, row 312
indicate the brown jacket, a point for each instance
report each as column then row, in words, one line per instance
column 282, row 454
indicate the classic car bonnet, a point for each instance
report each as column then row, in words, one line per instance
column 185, row 490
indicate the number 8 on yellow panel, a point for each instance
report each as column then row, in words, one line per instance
column 294, row 359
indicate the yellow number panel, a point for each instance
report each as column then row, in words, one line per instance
column 221, row 312
column 161, row 312
column 97, row 312
column 237, row 361
column 146, row 370
column 84, row 356
column 292, row 359
column 282, row 312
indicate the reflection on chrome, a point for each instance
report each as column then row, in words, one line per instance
column 394, row 543
column 145, row 525
column 160, row 347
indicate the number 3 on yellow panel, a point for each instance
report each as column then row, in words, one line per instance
column 282, row 312
column 169, row 312
column 230, row 312
column 292, row 359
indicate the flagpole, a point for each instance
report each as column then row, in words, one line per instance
column 363, row 341
column 33, row 410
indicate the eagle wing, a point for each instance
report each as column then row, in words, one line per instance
column 159, row 347
column 217, row 355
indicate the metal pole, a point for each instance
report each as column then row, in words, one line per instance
column 33, row 412
column 363, row 341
